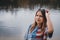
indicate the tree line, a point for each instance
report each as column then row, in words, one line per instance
column 24, row 3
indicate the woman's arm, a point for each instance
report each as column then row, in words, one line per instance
column 49, row 24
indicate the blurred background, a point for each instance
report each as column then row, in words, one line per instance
column 17, row 15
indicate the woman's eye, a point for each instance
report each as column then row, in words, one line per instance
column 36, row 15
column 41, row 16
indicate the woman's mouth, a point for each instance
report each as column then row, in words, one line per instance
column 38, row 20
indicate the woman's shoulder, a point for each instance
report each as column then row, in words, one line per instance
column 29, row 26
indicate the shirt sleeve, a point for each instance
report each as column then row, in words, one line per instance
column 26, row 34
column 49, row 34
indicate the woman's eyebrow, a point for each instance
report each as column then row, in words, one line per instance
column 40, row 15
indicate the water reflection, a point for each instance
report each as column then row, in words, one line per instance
column 13, row 25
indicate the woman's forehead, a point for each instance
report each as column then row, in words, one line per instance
column 39, row 13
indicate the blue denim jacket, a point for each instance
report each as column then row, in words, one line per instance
column 33, row 34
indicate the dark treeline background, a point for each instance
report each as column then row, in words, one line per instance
column 10, row 4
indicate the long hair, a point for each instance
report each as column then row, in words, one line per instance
column 43, row 25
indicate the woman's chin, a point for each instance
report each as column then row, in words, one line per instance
column 38, row 22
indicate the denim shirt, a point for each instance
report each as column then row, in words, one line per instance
column 33, row 33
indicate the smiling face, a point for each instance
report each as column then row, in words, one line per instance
column 39, row 17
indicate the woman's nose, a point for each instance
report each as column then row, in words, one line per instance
column 38, row 17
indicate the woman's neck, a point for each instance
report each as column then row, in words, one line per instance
column 39, row 25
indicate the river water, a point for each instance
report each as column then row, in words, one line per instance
column 14, row 24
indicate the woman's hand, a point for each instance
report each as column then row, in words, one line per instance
column 47, row 13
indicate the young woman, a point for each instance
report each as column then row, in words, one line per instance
column 41, row 28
